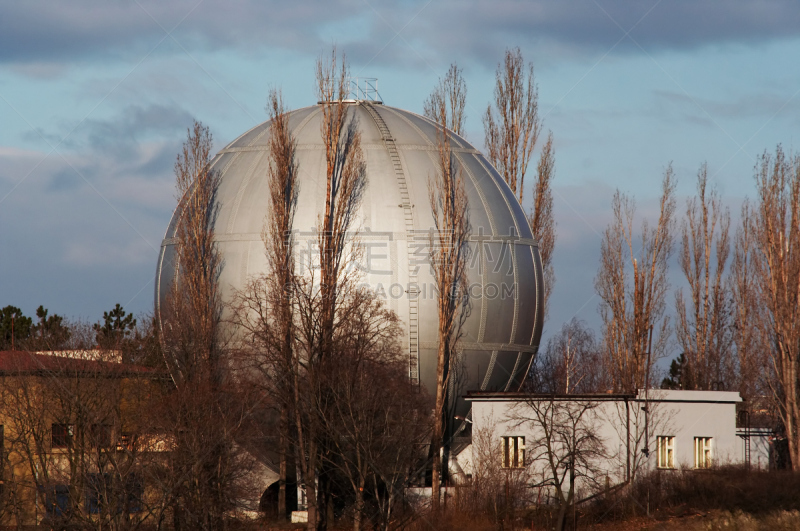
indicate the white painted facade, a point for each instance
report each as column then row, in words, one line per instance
column 694, row 415
column 685, row 430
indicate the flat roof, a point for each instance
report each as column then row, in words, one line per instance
column 653, row 395
column 494, row 396
column 670, row 395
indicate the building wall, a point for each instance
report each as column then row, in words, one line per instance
column 699, row 414
column 619, row 425
column 493, row 420
column 34, row 468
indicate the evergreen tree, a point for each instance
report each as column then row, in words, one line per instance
column 117, row 325
column 12, row 317
column 679, row 377
column 49, row 333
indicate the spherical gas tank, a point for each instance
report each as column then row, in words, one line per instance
column 502, row 331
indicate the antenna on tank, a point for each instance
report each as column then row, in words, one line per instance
column 364, row 89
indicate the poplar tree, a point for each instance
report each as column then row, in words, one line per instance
column 449, row 255
column 631, row 306
column 512, row 127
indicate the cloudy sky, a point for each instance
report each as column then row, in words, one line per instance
column 95, row 98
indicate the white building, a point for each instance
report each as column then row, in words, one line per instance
column 611, row 436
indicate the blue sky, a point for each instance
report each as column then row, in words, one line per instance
column 95, row 98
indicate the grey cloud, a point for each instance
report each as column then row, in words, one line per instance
column 80, row 248
column 136, row 123
column 64, row 180
column 126, row 158
column 40, row 31
column 161, row 161
column 756, row 104
column 482, row 30
column 121, row 133
column 48, row 138
column 39, row 69
column 600, row 25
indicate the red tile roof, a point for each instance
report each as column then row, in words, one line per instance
column 14, row 362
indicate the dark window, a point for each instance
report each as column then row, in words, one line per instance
column 108, row 492
column 57, row 500
column 134, row 491
column 62, row 435
column 97, row 486
column 100, row 435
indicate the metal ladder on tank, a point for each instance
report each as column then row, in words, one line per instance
column 408, row 215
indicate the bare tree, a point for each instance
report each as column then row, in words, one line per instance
column 207, row 476
column 748, row 323
column 703, row 329
column 319, row 315
column 777, row 238
column 512, row 131
column 569, row 362
column 355, row 418
column 395, row 455
column 449, row 255
column 203, row 414
column 452, row 93
column 359, row 422
column 264, row 310
column 566, row 449
column 497, row 492
column 540, row 219
column 354, row 407
column 637, row 420
column 194, row 307
column 631, row 306
column 373, row 418
column 345, row 180
column 512, row 127
column 279, row 245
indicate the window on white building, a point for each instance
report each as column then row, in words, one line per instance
column 702, row 452
column 666, row 451
column 513, row 452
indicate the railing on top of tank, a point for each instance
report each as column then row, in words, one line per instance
column 364, row 89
